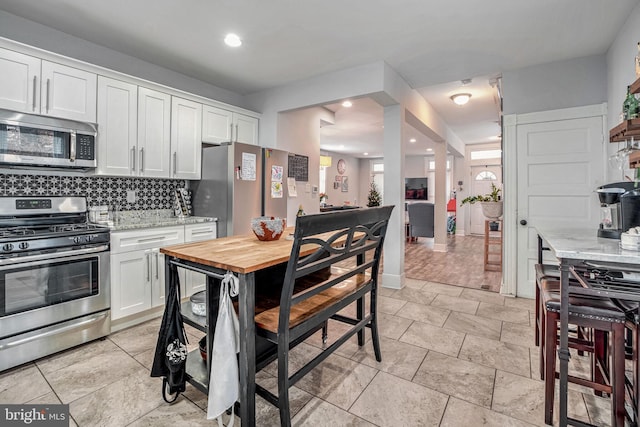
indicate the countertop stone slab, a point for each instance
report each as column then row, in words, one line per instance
column 133, row 220
column 584, row 244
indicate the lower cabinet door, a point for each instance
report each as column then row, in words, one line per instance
column 131, row 275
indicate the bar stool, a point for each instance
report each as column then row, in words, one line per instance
column 603, row 317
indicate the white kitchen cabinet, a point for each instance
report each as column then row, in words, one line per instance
column 117, row 126
column 219, row 125
column 195, row 282
column 154, row 133
column 130, row 287
column 32, row 85
column 20, row 82
column 186, row 138
column 68, row 92
column 137, row 268
column 246, row 129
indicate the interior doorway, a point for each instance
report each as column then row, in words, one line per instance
column 482, row 177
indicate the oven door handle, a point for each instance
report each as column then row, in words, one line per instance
column 55, row 331
column 51, row 256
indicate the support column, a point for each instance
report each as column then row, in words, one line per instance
column 440, row 209
column 393, row 152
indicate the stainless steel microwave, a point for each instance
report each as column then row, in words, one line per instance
column 30, row 140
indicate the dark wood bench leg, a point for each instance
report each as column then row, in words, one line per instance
column 325, row 332
column 550, row 345
column 617, row 374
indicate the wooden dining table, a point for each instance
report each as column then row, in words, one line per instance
column 243, row 255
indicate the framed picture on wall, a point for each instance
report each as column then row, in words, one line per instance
column 336, row 185
column 345, row 184
column 338, row 178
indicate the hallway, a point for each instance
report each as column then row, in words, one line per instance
column 461, row 266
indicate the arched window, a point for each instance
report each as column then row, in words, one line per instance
column 486, row 176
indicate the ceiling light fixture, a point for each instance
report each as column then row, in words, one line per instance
column 429, row 149
column 232, row 40
column 366, row 154
column 347, row 104
column 412, row 140
column 461, row 98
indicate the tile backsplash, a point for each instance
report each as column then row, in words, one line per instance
column 150, row 193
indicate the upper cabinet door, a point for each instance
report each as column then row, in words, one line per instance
column 68, row 92
column 154, row 133
column 19, row 82
column 186, row 138
column 117, row 120
column 216, row 125
column 246, row 129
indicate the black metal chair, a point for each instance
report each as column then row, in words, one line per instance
column 338, row 253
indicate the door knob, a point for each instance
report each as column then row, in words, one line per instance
column 523, row 222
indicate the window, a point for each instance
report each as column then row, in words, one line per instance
column 323, row 180
column 432, row 165
column 486, row 176
column 486, row 154
column 378, row 167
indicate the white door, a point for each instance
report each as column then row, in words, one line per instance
column 216, row 124
column 560, row 163
column 186, row 138
column 19, row 84
column 246, row 129
column 130, row 283
column 68, row 92
column 117, row 122
column 154, row 133
column 481, row 179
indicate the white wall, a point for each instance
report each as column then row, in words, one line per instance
column 571, row 83
column 336, row 196
column 620, row 74
column 299, row 133
column 43, row 37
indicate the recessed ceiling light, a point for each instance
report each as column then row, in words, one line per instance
column 429, row 149
column 461, row 98
column 412, row 140
column 366, row 154
column 342, row 147
column 496, row 137
column 347, row 104
column 232, row 40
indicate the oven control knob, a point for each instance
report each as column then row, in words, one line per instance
column 7, row 247
column 23, row 245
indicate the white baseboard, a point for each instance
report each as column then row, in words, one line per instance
column 393, row 281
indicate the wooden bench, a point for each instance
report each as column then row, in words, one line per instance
column 318, row 286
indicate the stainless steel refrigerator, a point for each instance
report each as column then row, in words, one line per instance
column 234, row 188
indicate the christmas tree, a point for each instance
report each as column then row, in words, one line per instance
column 374, row 196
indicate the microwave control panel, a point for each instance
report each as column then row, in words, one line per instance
column 85, row 147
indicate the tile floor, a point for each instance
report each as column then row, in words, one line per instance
column 451, row 357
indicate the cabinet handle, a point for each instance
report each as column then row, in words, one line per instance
column 47, row 107
column 175, row 162
column 142, row 159
column 133, row 159
column 157, row 255
column 230, row 132
column 34, row 93
column 148, row 259
column 236, row 133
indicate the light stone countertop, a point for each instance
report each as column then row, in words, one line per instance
column 132, row 220
column 584, row 244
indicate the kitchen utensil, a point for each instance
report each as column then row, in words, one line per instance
column 610, row 195
column 268, row 228
column 198, row 303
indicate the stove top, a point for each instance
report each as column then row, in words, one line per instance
column 29, row 224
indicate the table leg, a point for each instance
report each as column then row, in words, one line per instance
column 563, row 350
column 247, row 357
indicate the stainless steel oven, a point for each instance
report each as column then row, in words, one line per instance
column 54, row 279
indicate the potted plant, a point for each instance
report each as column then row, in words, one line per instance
column 323, row 199
column 491, row 205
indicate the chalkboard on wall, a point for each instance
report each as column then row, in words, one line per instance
column 298, row 167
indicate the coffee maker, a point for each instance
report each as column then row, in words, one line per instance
column 619, row 208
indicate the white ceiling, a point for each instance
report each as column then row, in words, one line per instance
column 429, row 42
